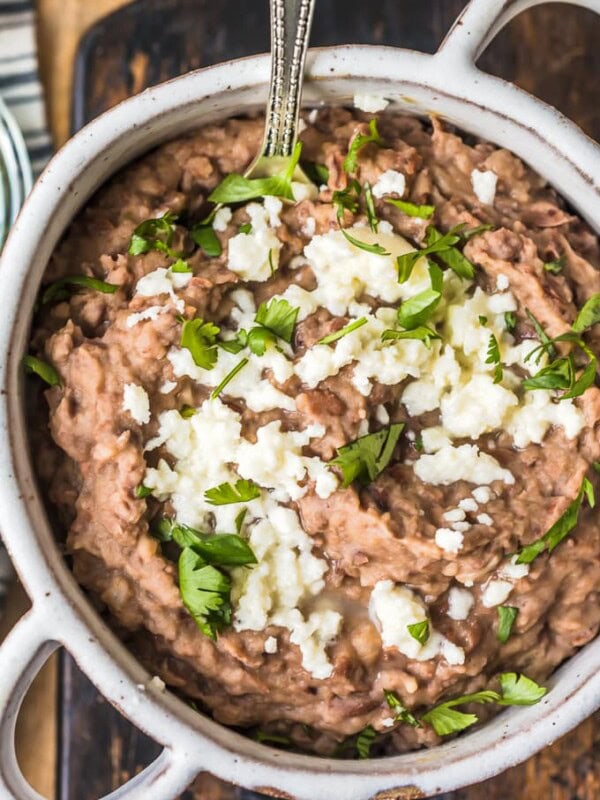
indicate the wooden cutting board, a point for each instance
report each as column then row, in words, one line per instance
column 553, row 52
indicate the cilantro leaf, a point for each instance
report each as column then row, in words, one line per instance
column 236, row 188
column 555, row 267
column 279, row 317
column 561, row 528
column 375, row 248
column 245, row 227
column 519, row 690
column 446, row 720
column 559, row 374
column 317, row 173
column 415, row 311
column 401, row 713
column 259, row 338
column 483, row 320
column 364, row 742
column 187, row 411
column 421, row 333
column 419, row 631
column 218, row 549
column 181, row 266
column 506, row 619
column 360, row 140
column 228, row 378
column 239, row 520
column 206, row 239
column 450, row 255
column 154, row 234
column 516, row 690
column 412, row 210
column 42, row 369
column 205, row 592
column 200, row 338
column 493, row 357
column 589, row 314
column 541, row 334
column 272, row 738
column 347, row 199
column 370, row 207
column 366, row 458
column 65, row 287
column 241, row 491
column 352, row 326
column 142, row 491
column 469, row 234
column 510, row 320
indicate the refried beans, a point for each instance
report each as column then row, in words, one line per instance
column 399, row 449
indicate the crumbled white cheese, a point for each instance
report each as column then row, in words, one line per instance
column 468, row 504
column 502, row 282
column 273, row 206
column 461, row 526
column 163, row 281
column 466, row 463
column 346, row 272
column 513, row 571
column 389, row 182
column 222, row 219
column 304, row 191
column 371, row 103
column 151, row 312
column 495, row 593
column 157, row 684
column 288, row 575
column 485, row 519
column 381, row 415
column 309, row 227
column 392, row 608
column 477, row 407
column 434, row 439
column 537, row 413
column 482, row 494
column 250, row 254
column 137, row 402
column 449, row 540
column 484, row 185
column 271, row 645
column 388, row 722
column 312, row 115
column 454, row 515
column 168, row 387
column 460, row 603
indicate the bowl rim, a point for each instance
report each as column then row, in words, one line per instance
column 59, row 604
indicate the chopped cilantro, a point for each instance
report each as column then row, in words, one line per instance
column 358, row 142
column 242, row 491
column 154, row 234
column 206, row 239
column 506, row 619
column 65, row 287
column 366, row 458
column 493, row 357
column 228, row 378
column 412, row 210
column 419, row 631
column 236, row 188
column 401, row 713
column 200, row 338
column 42, row 369
column 352, row 326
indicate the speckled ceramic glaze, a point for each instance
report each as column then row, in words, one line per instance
column 447, row 84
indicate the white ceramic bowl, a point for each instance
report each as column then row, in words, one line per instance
column 447, row 84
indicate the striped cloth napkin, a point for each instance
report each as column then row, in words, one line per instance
column 21, row 90
column 20, row 87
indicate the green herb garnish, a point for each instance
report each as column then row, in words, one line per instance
column 415, row 311
column 187, row 411
column 370, row 207
column 200, row 338
column 360, row 140
column 272, row 738
column 364, row 742
column 242, row 491
column 441, row 246
column 510, row 320
column 412, row 210
column 515, row 690
column 42, row 369
column 317, row 173
column 555, row 267
column 142, row 491
column 154, row 234
column 65, row 287
column 493, row 357
column 366, row 458
column 181, row 266
column 279, row 317
column 422, row 333
column 352, row 326
column 589, row 314
column 419, row 631
column 401, row 713
column 228, row 378
column 245, row 227
column 206, row 239
column 561, row 528
column 506, row 619
column 236, row 188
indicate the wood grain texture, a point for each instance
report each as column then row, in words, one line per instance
column 551, row 51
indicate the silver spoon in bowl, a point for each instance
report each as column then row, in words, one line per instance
column 290, row 31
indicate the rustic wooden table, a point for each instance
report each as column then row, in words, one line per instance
column 551, row 51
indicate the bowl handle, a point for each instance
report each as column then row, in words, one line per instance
column 22, row 654
column 482, row 20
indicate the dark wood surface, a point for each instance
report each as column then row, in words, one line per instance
column 552, row 51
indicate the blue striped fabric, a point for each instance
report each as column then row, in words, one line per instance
column 21, row 90
column 20, row 87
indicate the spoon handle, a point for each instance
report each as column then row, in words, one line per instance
column 290, row 31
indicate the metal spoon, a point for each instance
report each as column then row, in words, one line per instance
column 290, row 30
